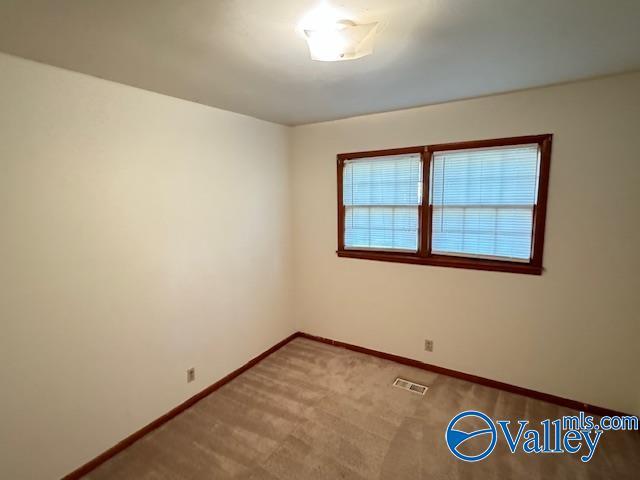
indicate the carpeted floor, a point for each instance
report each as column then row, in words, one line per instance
column 313, row 411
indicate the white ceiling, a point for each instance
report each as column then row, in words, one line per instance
column 246, row 56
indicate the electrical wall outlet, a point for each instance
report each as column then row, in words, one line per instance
column 191, row 374
column 428, row 345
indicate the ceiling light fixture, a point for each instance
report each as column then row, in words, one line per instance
column 332, row 38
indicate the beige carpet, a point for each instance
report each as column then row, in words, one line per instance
column 313, row 411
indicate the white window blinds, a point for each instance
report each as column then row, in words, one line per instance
column 483, row 202
column 381, row 196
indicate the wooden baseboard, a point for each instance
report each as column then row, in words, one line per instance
column 546, row 397
column 103, row 457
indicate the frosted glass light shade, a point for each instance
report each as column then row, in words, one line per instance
column 343, row 40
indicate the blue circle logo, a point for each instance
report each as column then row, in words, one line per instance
column 456, row 438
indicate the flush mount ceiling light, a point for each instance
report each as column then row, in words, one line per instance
column 332, row 38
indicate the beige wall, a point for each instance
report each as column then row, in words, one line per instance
column 140, row 235
column 574, row 331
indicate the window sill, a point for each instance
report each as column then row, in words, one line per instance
column 444, row 261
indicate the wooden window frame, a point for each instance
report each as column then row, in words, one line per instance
column 424, row 256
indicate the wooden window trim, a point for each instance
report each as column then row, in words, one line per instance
column 424, row 256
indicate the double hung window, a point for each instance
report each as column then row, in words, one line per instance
column 478, row 204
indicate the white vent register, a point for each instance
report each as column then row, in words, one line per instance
column 411, row 386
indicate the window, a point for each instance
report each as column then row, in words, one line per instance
column 482, row 201
column 478, row 204
column 382, row 196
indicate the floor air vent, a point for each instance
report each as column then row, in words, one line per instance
column 411, row 386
